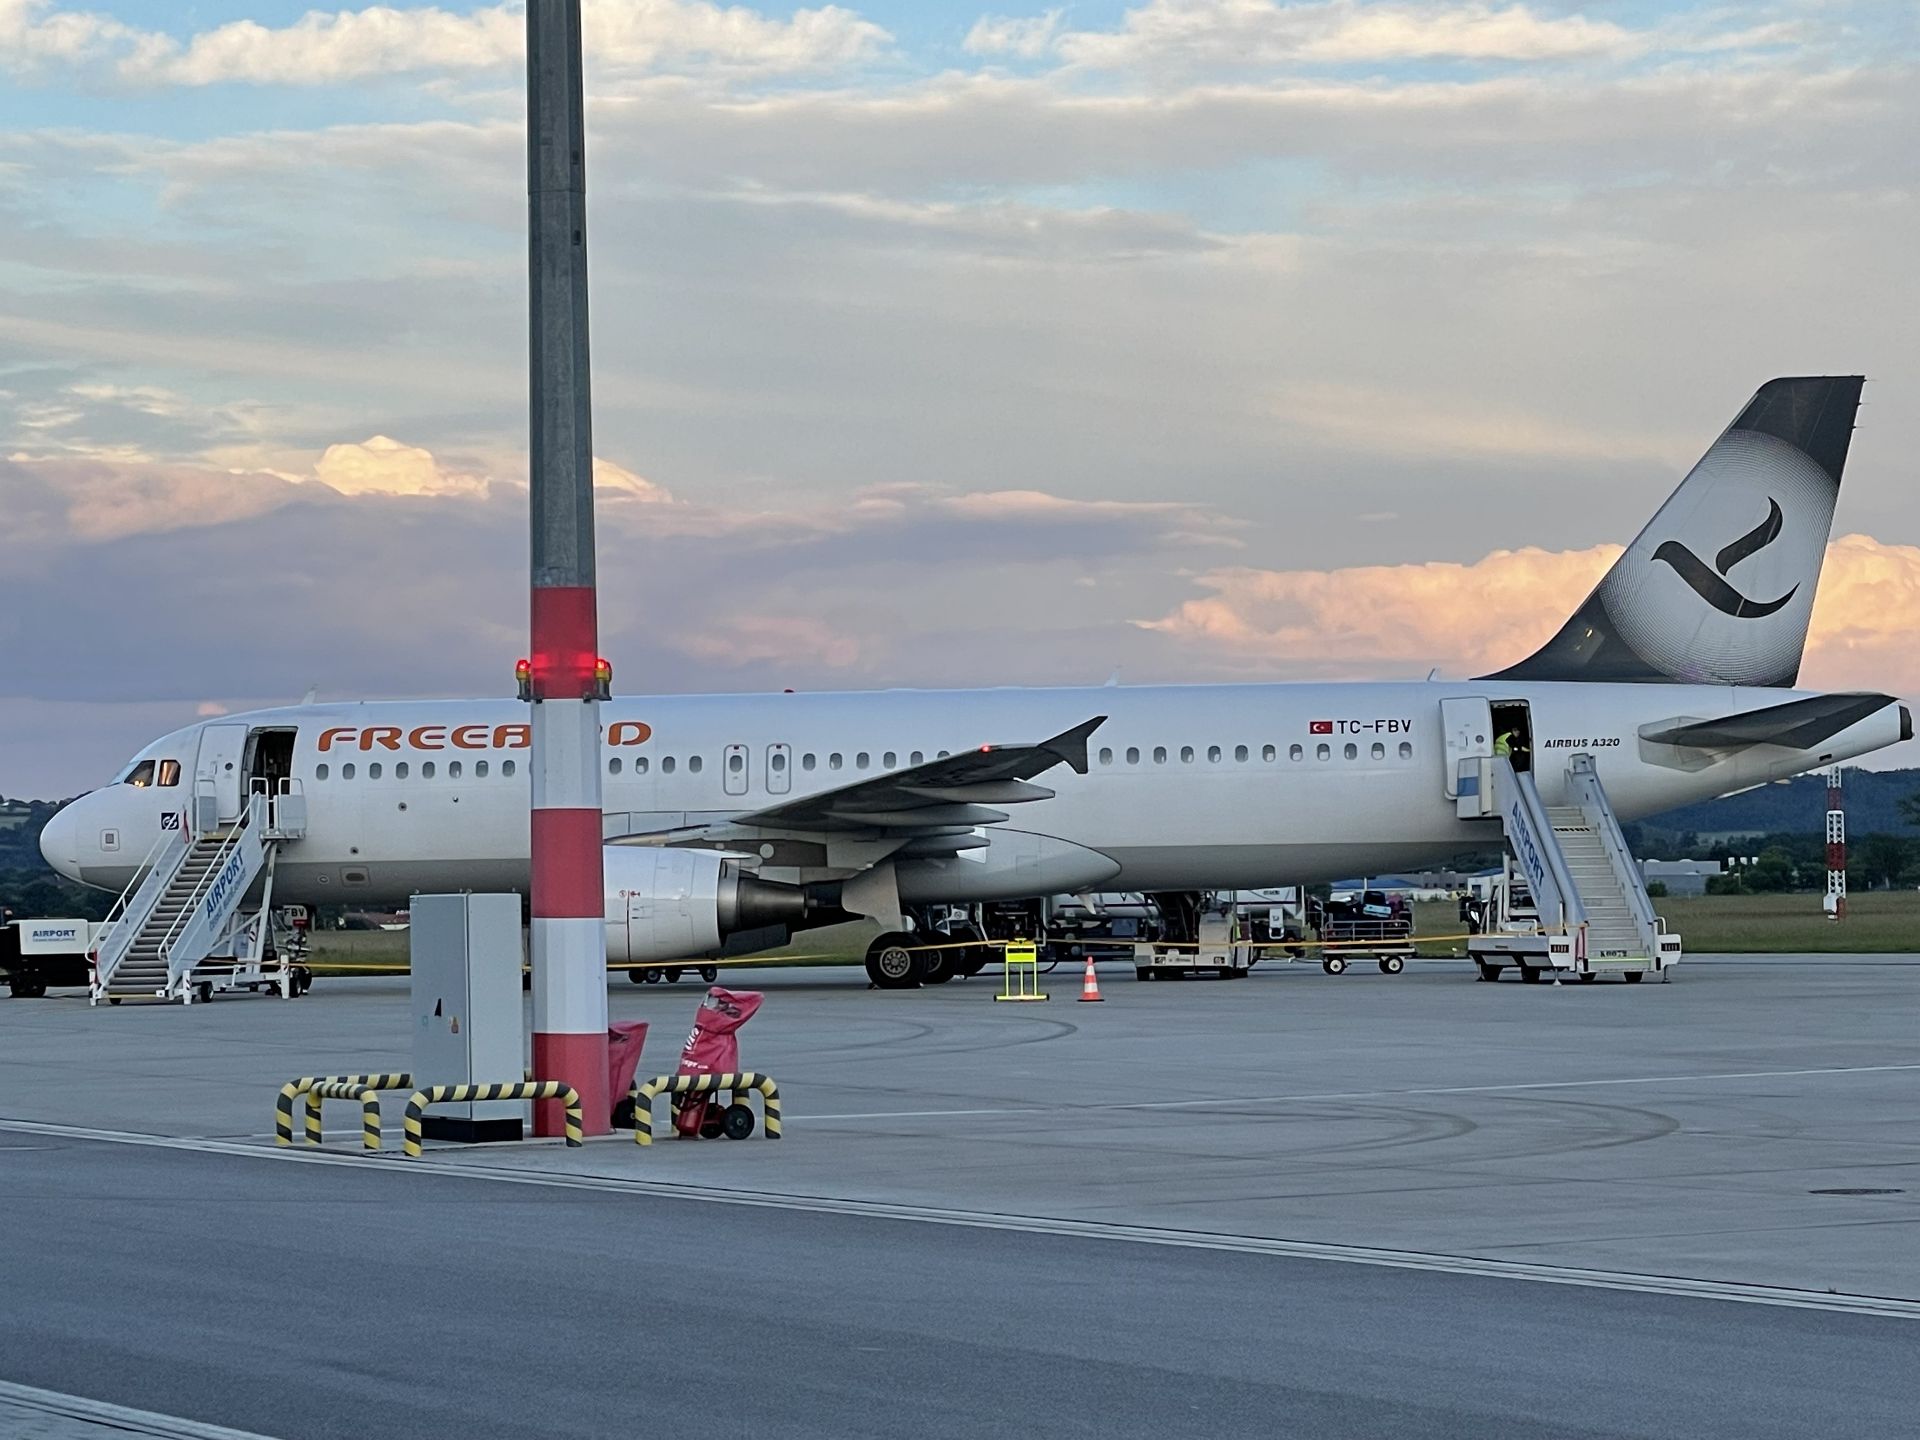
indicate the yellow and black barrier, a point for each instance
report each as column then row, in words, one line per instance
column 515, row 1090
column 1022, row 972
column 368, row 1097
column 737, row 1083
column 302, row 1089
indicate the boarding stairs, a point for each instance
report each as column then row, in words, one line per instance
column 1584, row 881
column 182, row 914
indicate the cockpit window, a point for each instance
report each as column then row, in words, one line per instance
column 169, row 773
column 141, row 775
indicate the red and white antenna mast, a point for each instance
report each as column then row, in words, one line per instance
column 1836, row 902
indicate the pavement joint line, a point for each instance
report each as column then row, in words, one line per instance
column 116, row 1417
column 1215, row 1102
column 1675, row 1286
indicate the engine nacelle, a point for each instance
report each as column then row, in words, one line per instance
column 679, row 904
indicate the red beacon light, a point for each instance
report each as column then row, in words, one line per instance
column 523, row 678
column 602, row 679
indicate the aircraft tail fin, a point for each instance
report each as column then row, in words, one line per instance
column 1718, row 589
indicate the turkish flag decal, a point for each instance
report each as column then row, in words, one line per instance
column 1320, row 727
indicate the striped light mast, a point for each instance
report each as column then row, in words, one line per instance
column 563, row 677
column 1836, row 847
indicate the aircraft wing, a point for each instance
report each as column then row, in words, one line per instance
column 954, row 793
column 1798, row 724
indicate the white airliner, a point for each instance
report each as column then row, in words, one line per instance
column 734, row 820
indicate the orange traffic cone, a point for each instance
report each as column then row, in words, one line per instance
column 1090, row 987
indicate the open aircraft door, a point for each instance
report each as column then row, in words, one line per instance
column 1467, row 721
column 218, row 783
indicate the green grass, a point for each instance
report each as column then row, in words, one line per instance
column 1878, row 922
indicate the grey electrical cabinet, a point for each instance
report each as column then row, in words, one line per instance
column 467, row 1017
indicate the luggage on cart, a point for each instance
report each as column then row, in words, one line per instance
column 714, row 1049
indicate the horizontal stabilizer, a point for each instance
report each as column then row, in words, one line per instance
column 1797, row 725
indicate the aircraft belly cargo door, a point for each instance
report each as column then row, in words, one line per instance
column 1467, row 722
column 217, row 778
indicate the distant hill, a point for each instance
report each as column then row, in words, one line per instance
column 1799, row 806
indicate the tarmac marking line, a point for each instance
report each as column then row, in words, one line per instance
column 1674, row 1286
column 116, row 1417
column 1215, row 1101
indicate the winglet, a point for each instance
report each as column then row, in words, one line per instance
column 1071, row 745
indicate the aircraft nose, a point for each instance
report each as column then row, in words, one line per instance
column 60, row 841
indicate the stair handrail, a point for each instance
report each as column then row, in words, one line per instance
column 1598, row 811
column 122, row 907
column 252, row 819
column 1530, row 836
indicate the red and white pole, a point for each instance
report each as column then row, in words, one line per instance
column 1836, row 847
column 564, row 679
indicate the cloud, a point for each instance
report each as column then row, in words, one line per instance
column 1471, row 618
column 1027, row 37
column 1265, row 33
column 381, row 466
column 792, row 642
column 338, row 47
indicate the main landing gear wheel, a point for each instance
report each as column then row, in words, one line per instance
column 937, row 967
column 972, row 961
column 1392, row 964
column 710, row 973
column 892, row 962
column 1333, row 964
column 737, row 1122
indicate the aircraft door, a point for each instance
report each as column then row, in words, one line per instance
column 779, row 769
column 217, row 779
column 1467, row 722
column 734, row 768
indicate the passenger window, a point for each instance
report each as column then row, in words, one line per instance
column 1159, row 754
column 346, row 771
column 833, row 761
column 453, row 769
column 1379, row 751
column 1240, row 754
column 806, row 762
column 506, row 767
column 613, row 766
column 373, row 771
column 1186, row 754
column 693, row 764
column 778, row 764
column 639, row 765
column 942, row 755
column 169, row 772
column 320, row 772
column 400, row 771
column 916, row 758
column 1106, row 757
column 1352, row 751
column 889, row 759
column 426, row 769
column 666, row 764
column 1267, row 752
column 141, row 774
column 1323, row 751
column 737, row 762
column 1213, row 754
column 480, row 767
column 1133, row 755
column 860, row 761
column 1406, row 750
column 1295, row 752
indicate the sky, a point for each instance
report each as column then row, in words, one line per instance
column 933, row 344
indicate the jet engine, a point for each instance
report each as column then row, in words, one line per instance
column 676, row 904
